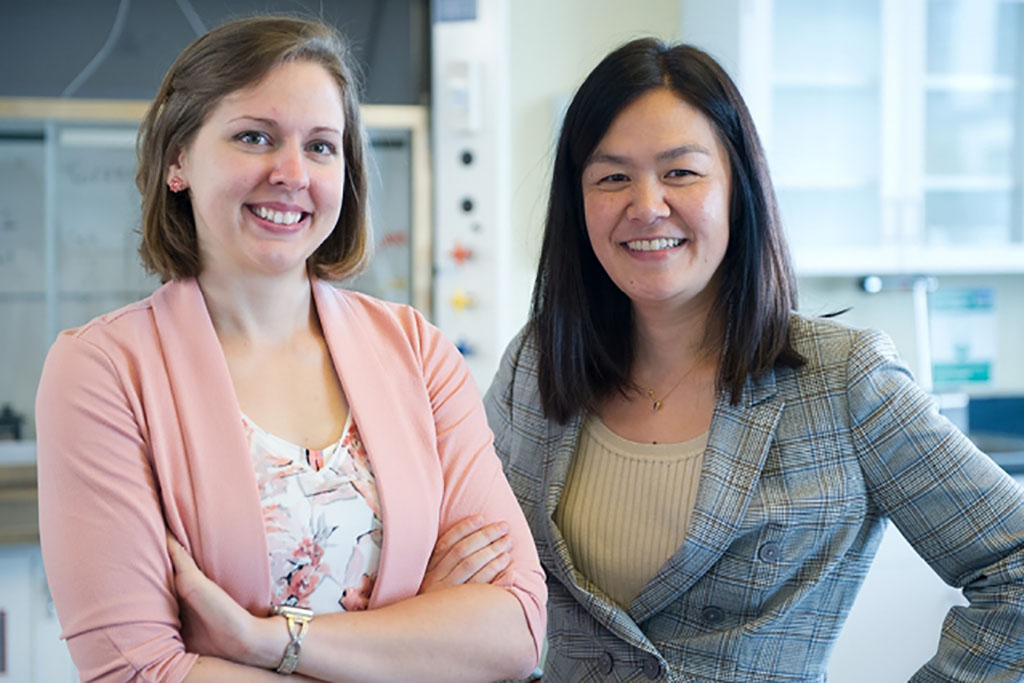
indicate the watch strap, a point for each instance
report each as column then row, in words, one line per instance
column 297, row 620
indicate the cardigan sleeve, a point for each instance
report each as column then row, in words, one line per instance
column 101, row 527
column 473, row 479
column 955, row 506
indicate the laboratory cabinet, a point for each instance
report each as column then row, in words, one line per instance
column 892, row 127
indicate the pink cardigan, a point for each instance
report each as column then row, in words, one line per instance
column 139, row 429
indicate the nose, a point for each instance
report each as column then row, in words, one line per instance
column 290, row 167
column 648, row 202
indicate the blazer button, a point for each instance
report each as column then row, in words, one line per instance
column 652, row 667
column 712, row 614
column 606, row 663
column 769, row 552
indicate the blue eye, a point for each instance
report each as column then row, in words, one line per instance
column 253, row 137
column 323, row 147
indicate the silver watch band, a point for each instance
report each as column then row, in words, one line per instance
column 297, row 619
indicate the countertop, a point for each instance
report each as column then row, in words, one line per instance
column 1006, row 449
column 19, row 519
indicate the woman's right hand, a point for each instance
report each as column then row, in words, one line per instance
column 468, row 553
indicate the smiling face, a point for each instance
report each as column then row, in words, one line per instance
column 656, row 202
column 265, row 173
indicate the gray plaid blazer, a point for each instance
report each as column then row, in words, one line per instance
column 797, row 483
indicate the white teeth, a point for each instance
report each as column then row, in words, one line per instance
column 279, row 217
column 653, row 245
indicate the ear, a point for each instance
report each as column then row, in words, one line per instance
column 176, row 168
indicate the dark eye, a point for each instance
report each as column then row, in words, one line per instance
column 253, row 137
column 679, row 173
column 322, row 147
column 614, row 178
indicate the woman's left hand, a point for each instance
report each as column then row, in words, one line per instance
column 208, row 608
column 469, row 552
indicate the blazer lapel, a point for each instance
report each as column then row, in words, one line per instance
column 738, row 444
column 558, row 454
column 225, row 529
column 554, row 552
column 378, row 404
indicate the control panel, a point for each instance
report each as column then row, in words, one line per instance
column 471, row 178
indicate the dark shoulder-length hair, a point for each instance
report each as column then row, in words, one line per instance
column 231, row 57
column 582, row 322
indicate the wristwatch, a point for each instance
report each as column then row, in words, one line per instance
column 298, row 619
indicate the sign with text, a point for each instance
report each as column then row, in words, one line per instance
column 963, row 335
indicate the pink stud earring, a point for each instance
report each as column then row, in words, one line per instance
column 176, row 184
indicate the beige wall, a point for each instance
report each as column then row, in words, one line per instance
column 552, row 47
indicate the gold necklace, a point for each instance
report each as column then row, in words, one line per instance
column 656, row 402
column 656, row 405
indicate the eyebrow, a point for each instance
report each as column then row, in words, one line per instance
column 272, row 123
column 673, row 153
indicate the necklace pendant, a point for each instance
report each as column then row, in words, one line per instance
column 657, row 405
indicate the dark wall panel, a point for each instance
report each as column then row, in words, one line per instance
column 46, row 45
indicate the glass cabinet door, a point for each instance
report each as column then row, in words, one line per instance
column 23, row 323
column 391, row 214
column 824, row 135
column 96, row 217
column 892, row 129
column 69, row 235
column 972, row 152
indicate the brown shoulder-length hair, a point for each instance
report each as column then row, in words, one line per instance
column 583, row 323
column 228, row 58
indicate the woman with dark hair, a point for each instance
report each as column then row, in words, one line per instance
column 707, row 474
column 250, row 446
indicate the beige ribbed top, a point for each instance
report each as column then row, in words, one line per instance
column 626, row 506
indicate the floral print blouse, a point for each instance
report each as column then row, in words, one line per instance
column 322, row 516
